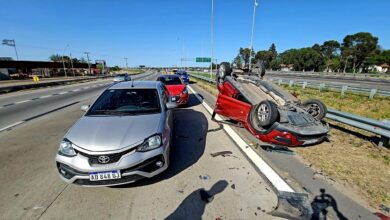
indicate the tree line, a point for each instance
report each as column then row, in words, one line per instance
column 66, row 59
column 357, row 53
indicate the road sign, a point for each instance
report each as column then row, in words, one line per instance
column 203, row 59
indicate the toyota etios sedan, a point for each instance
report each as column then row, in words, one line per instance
column 123, row 137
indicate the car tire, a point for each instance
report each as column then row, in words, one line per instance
column 223, row 71
column 315, row 108
column 264, row 114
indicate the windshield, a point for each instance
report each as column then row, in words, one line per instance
column 170, row 80
column 120, row 75
column 126, row 102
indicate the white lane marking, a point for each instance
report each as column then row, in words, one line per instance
column 45, row 96
column 264, row 168
column 76, row 90
column 20, row 102
column 10, row 126
column 61, row 93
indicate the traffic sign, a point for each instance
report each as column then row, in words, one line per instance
column 203, row 59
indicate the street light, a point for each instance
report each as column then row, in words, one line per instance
column 212, row 37
column 11, row 43
column 63, row 61
column 253, row 28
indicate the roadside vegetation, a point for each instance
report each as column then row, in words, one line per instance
column 351, row 157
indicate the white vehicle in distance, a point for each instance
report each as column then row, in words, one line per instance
column 121, row 77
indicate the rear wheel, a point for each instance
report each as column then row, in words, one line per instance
column 264, row 114
column 260, row 69
column 223, row 71
column 315, row 108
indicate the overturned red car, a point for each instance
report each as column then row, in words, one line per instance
column 267, row 111
column 177, row 89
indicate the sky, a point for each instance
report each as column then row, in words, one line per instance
column 161, row 32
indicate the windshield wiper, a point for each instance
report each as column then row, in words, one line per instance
column 107, row 112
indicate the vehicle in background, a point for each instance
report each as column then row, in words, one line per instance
column 121, row 77
column 184, row 76
column 266, row 110
column 124, row 136
column 176, row 87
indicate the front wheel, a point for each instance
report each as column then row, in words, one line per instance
column 223, row 71
column 315, row 108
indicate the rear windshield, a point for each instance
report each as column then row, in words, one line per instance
column 121, row 75
column 182, row 73
column 126, row 102
column 170, row 80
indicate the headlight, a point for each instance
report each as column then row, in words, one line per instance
column 185, row 91
column 66, row 148
column 150, row 143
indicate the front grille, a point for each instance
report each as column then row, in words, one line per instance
column 124, row 179
column 93, row 159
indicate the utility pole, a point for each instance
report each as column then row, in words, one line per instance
column 212, row 37
column 253, row 28
column 126, row 62
column 71, row 64
column 89, row 64
column 63, row 61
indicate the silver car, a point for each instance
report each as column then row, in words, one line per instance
column 122, row 77
column 123, row 137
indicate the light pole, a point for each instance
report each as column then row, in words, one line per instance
column 126, row 62
column 89, row 64
column 71, row 64
column 253, row 28
column 212, row 37
column 63, row 61
column 11, row 43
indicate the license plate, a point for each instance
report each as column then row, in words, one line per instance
column 108, row 175
column 173, row 99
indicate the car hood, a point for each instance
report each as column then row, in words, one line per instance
column 110, row 133
column 175, row 89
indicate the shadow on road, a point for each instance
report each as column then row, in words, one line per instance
column 194, row 204
column 322, row 203
column 189, row 141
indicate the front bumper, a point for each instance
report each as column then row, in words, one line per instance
column 132, row 165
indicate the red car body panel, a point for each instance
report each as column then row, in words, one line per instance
column 177, row 92
column 229, row 106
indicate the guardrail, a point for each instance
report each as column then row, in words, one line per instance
column 371, row 92
column 367, row 124
column 28, row 85
column 311, row 73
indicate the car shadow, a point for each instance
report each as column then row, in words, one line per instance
column 189, row 142
column 193, row 206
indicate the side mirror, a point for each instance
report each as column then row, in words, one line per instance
column 171, row 105
column 85, row 107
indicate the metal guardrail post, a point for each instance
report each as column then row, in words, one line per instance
column 291, row 83
column 372, row 93
column 304, row 85
column 279, row 82
column 343, row 90
column 384, row 141
column 322, row 86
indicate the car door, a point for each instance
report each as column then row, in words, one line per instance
column 168, row 123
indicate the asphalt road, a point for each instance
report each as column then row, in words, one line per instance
column 304, row 179
column 31, row 189
column 357, row 82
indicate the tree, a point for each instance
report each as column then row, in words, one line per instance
column 237, row 61
column 303, row 59
column 358, row 47
column 245, row 55
column 330, row 50
column 56, row 58
column 272, row 50
column 115, row 68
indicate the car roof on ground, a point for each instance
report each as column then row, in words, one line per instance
column 136, row 85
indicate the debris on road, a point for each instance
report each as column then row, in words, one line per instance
column 221, row 153
column 277, row 149
column 204, row 177
column 233, row 186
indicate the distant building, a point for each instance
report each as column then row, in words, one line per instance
column 381, row 68
column 25, row 69
column 286, row 67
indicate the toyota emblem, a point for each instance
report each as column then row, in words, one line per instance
column 104, row 159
